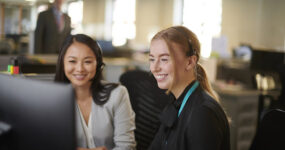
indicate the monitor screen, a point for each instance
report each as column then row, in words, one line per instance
column 36, row 115
column 266, row 60
column 106, row 46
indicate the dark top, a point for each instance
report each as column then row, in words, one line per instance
column 202, row 124
column 48, row 37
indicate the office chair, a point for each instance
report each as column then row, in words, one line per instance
column 147, row 102
column 271, row 131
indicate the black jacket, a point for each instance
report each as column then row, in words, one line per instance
column 48, row 39
column 202, row 125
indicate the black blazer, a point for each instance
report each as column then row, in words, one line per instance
column 48, row 39
column 202, row 125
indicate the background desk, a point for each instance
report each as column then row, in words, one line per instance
column 45, row 64
column 242, row 108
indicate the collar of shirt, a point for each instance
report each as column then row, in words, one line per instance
column 177, row 102
column 56, row 12
column 169, row 116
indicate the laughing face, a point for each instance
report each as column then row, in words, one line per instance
column 160, row 64
column 167, row 73
column 80, row 65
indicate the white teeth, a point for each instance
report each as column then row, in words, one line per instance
column 160, row 76
column 79, row 76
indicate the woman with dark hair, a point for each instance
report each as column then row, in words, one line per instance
column 194, row 120
column 104, row 117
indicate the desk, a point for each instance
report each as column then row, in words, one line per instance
column 115, row 67
column 242, row 108
column 112, row 71
column 268, row 100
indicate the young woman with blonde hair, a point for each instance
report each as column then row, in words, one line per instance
column 194, row 120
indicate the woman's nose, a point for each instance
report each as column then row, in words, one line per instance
column 79, row 67
column 154, row 67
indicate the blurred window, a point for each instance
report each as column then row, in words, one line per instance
column 75, row 12
column 204, row 18
column 124, row 16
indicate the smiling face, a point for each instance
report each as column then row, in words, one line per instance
column 161, row 65
column 80, row 65
column 167, row 73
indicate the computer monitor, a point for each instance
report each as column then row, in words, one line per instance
column 267, row 61
column 36, row 115
column 106, row 46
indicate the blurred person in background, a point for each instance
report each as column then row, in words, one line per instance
column 53, row 26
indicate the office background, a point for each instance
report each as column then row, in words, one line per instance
column 228, row 30
column 259, row 23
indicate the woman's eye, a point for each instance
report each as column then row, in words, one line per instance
column 72, row 61
column 164, row 59
column 88, row 62
column 151, row 59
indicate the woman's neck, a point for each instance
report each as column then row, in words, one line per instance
column 83, row 93
column 178, row 90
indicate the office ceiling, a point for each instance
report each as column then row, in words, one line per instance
column 23, row 1
column 30, row 1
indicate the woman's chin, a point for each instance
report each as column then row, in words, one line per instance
column 162, row 86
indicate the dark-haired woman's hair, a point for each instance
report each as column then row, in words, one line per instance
column 100, row 91
column 190, row 44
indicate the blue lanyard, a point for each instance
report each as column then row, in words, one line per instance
column 190, row 91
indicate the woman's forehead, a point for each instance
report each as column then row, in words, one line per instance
column 158, row 46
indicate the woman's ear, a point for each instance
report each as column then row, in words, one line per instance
column 191, row 62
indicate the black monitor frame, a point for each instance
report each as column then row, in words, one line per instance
column 267, row 61
column 36, row 115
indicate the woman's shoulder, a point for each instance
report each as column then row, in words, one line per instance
column 210, row 107
column 111, row 85
column 207, row 101
column 118, row 92
column 116, row 88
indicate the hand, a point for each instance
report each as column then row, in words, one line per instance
column 97, row 148
column 100, row 148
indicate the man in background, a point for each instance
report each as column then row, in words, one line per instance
column 53, row 26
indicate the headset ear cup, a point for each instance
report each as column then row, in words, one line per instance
column 99, row 69
column 102, row 66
